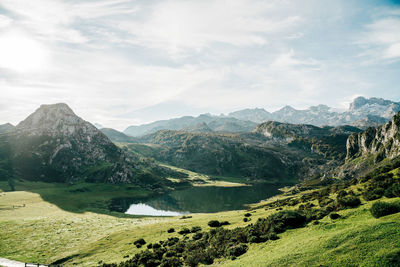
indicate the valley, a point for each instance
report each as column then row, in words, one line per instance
column 281, row 194
column 186, row 133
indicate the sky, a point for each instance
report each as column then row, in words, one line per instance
column 124, row 62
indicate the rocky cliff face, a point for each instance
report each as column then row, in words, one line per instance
column 53, row 144
column 383, row 141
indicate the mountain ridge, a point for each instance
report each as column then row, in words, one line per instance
column 362, row 112
column 53, row 144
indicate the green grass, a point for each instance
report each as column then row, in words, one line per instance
column 198, row 179
column 81, row 197
column 42, row 232
column 357, row 239
column 55, row 221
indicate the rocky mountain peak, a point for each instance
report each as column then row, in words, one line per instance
column 55, row 119
column 362, row 102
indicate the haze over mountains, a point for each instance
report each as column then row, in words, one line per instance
column 361, row 113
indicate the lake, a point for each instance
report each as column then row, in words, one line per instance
column 205, row 199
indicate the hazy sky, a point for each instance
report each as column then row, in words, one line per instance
column 123, row 62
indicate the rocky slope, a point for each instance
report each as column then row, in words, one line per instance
column 244, row 155
column 273, row 151
column 55, row 145
column 382, row 142
column 369, row 121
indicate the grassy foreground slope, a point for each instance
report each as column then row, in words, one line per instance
column 356, row 239
column 38, row 231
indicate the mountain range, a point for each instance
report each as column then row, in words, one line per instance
column 53, row 144
column 362, row 113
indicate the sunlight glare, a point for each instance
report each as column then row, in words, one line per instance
column 21, row 53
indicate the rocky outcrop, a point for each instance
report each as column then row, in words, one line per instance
column 289, row 131
column 383, row 141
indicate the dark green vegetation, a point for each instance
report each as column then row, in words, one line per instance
column 117, row 136
column 204, row 247
column 380, row 209
column 274, row 151
column 221, row 154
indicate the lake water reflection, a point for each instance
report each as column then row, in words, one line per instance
column 201, row 200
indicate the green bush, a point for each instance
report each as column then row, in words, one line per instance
column 380, row 209
column 171, row 230
column 237, row 250
column 347, row 201
column 393, row 191
column 184, row 231
column 334, row 216
column 247, row 214
column 373, row 194
column 197, row 236
column 214, row 223
column 195, row 229
column 139, row 241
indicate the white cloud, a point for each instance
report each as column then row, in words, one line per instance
column 4, row 21
column 382, row 38
column 108, row 58
column 54, row 19
column 178, row 25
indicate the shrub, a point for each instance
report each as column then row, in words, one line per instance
column 393, row 191
column 139, row 241
column 197, row 236
column 214, row 223
column 195, row 229
column 224, row 223
column 273, row 236
column 373, row 194
column 173, row 261
column 184, row 231
column 334, row 216
column 380, row 209
column 171, row 230
column 237, row 250
column 247, row 214
column 348, row 201
column 245, row 219
column 156, row 245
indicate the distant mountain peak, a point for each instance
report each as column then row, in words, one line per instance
column 361, row 101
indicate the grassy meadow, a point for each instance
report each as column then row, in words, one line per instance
column 40, row 229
